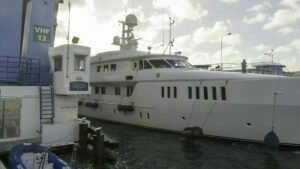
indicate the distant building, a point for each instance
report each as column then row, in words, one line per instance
column 259, row 68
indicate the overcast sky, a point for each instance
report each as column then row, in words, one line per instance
column 257, row 26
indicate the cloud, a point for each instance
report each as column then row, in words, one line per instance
column 262, row 47
column 284, row 17
column 260, row 7
column 257, row 18
column 286, row 30
column 182, row 9
column 256, row 13
column 229, row 1
column 293, row 46
column 213, row 34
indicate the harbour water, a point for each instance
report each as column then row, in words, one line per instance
column 149, row 149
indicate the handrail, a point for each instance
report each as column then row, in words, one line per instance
column 19, row 71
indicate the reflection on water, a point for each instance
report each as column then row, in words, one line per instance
column 148, row 149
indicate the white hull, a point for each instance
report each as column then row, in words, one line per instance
column 246, row 114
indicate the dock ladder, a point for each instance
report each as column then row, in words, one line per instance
column 47, row 108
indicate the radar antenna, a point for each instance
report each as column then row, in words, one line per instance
column 171, row 41
column 127, row 41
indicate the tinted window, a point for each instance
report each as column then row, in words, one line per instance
column 197, row 93
column 190, row 92
column 214, row 93
column 205, row 91
column 141, row 65
column 175, row 92
column 147, row 65
column 179, row 63
column 223, row 93
column 159, row 63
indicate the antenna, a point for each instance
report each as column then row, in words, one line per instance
column 163, row 33
column 132, row 6
column 170, row 35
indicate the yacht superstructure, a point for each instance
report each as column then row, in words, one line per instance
column 164, row 92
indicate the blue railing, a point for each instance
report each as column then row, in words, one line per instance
column 19, row 71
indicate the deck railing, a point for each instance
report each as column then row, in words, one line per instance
column 19, row 71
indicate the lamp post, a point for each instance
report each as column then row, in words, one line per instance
column 222, row 49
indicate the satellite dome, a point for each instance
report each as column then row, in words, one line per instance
column 131, row 20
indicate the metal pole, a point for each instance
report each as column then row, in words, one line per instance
column 68, row 38
column 170, row 36
column 221, row 53
column 222, row 49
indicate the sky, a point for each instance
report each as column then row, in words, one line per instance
column 257, row 27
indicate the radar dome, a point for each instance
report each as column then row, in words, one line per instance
column 131, row 20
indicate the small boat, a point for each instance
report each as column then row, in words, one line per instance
column 34, row 156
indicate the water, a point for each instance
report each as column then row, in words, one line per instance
column 148, row 149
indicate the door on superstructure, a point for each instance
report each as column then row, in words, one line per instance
column 10, row 109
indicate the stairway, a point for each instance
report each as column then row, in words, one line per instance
column 47, row 108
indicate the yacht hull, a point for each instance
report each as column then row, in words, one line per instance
column 250, row 110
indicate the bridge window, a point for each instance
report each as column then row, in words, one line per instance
column 158, row 63
column 141, row 65
column 58, row 64
column 179, row 64
column 223, row 93
column 147, row 65
column 79, row 64
column 169, row 92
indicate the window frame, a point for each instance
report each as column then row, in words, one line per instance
column 117, row 90
column 97, row 90
column 103, row 90
column 56, row 68
column 81, row 58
